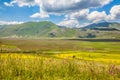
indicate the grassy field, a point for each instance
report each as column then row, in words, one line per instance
column 55, row 59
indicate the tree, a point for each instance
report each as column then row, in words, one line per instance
column 52, row 35
column 91, row 35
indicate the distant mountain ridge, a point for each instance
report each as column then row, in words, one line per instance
column 48, row 29
column 103, row 26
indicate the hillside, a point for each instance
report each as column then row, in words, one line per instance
column 35, row 30
column 47, row 29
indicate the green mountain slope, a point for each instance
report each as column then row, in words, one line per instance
column 36, row 29
column 50, row 30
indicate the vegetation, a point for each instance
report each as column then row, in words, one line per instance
column 83, row 45
column 55, row 59
column 50, row 30
column 35, row 67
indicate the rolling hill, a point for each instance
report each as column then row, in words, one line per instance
column 35, row 30
column 48, row 29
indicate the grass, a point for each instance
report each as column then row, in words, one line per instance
column 34, row 67
column 36, row 59
column 63, row 45
column 98, row 57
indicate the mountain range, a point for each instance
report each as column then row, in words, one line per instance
column 48, row 29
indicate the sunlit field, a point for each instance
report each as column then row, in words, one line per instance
column 59, row 60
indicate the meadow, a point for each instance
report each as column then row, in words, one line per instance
column 59, row 59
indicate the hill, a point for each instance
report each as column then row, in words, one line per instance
column 35, row 30
column 48, row 29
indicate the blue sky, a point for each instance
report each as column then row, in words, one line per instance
column 75, row 13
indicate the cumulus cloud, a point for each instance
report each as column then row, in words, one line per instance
column 69, row 23
column 73, row 23
column 59, row 6
column 11, row 22
column 80, row 15
column 71, row 5
column 76, row 12
column 84, row 17
column 114, row 12
column 39, row 15
column 65, row 6
column 21, row 3
column 96, row 16
column 8, row 4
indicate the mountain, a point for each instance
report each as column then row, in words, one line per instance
column 48, row 29
column 35, row 30
column 105, row 26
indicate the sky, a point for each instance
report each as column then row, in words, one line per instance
column 69, row 13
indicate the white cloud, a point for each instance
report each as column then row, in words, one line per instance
column 11, row 22
column 114, row 12
column 75, row 11
column 96, row 16
column 8, row 4
column 73, row 23
column 63, row 6
column 104, row 2
column 59, row 6
column 39, row 15
column 21, row 3
column 69, row 23
column 80, row 15
column 84, row 17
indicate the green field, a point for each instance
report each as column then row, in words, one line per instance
column 59, row 59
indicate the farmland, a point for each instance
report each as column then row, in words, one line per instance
column 59, row 59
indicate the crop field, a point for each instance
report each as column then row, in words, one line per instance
column 59, row 59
